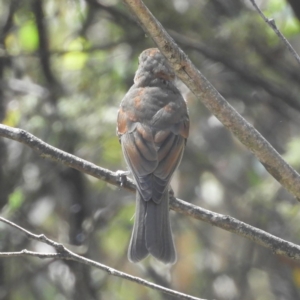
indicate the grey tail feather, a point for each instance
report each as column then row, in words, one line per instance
column 158, row 233
column 137, row 247
column 152, row 231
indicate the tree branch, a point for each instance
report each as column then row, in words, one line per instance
column 272, row 24
column 47, row 151
column 276, row 245
column 211, row 98
column 64, row 253
column 43, row 50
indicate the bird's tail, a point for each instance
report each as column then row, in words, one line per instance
column 152, row 231
column 137, row 247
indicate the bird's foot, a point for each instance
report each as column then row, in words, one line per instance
column 122, row 176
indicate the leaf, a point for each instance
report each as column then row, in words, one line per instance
column 292, row 154
column 28, row 36
column 12, row 117
column 15, row 199
column 75, row 59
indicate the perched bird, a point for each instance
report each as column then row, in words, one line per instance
column 152, row 125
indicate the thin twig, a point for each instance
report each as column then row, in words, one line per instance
column 269, row 241
column 41, row 238
column 211, row 98
column 272, row 24
column 64, row 253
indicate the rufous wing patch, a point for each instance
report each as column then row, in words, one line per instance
column 184, row 128
column 121, row 122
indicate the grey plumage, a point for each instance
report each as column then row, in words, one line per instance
column 153, row 126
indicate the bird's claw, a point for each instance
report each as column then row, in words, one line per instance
column 122, row 176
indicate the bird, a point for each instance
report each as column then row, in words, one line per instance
column 153, row 127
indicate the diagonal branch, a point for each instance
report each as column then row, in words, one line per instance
column 272, row 24
column 276, row 245
column 63, row 253
column 211, row 98
column 69, row 160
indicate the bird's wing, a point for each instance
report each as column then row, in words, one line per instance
column 152, row 160
column 169, row 155
column 152, row 150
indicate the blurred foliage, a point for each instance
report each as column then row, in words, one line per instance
column 64, row 68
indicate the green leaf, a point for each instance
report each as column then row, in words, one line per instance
column 287, row 23
column 12, row 117
column 292, row 155
column 15, row 199
column 275, row 6
column 74, row 60
column 291, row 27
column 28, row 36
